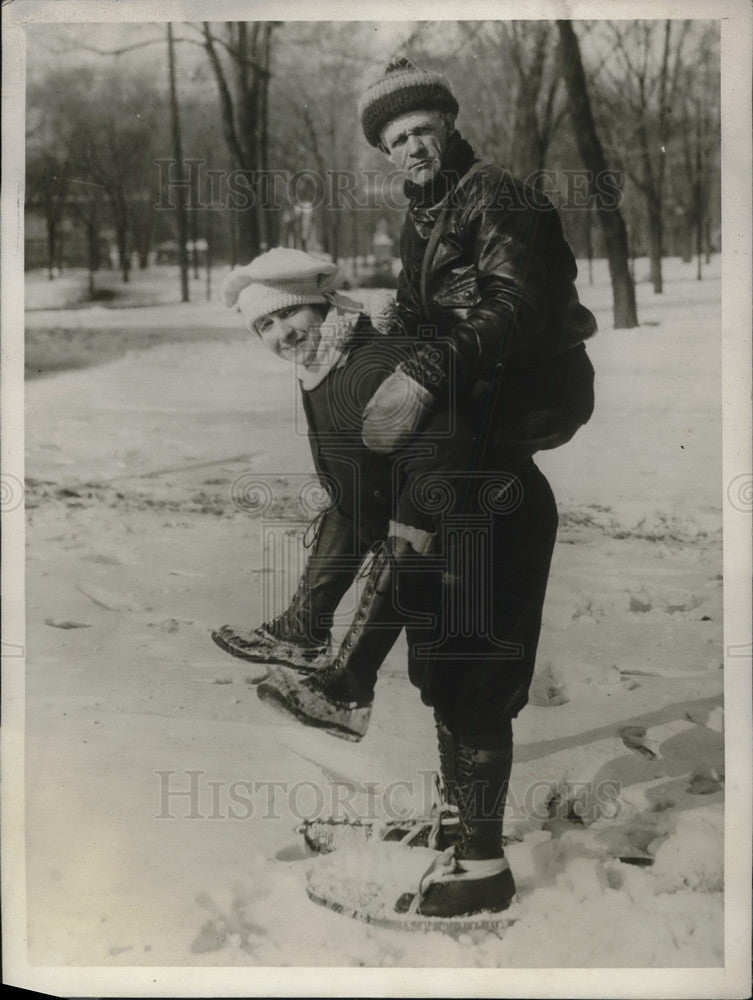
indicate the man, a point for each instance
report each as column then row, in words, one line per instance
column 487, row 295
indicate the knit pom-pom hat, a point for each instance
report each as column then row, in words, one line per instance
column 277, row 279
column 403, row 88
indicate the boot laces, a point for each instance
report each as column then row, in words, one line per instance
column 370, row 556
column 285, row 626
column 443, row 813
column 381, row 552
column 314, row 527
column 290, row 623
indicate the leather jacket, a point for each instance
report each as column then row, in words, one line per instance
column 504, row 324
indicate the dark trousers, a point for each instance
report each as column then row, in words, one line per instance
column 474, row 662
column 477, row 602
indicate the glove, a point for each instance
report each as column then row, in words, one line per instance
column 395, row 412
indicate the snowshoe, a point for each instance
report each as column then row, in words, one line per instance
column 323, row 836
column 365, row 883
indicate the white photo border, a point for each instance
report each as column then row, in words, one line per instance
column 731, row 981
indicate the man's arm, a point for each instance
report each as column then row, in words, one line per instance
column 518, row 247
column 517, row 242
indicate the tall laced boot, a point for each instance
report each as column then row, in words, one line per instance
column 474, row 875
column 447, row 825
column 339, row 696
column 441, row 830
column 300, row 637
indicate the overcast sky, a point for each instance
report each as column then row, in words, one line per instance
column 73, row 44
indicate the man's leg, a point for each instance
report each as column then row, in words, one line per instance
column 477, row 684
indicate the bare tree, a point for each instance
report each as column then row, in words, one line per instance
column 513, row 101
column 178, row 153
column 322, row 135
column 54, row 135
column 530, row 47
column 117, row 125
column 240, row 55
column 48, row 176
column 641, row 84
column 698, row 115
column 592, row 153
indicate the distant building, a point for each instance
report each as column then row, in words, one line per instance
column 71, row 249
column 167, row 252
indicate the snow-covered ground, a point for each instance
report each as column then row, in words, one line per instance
column 136, row 536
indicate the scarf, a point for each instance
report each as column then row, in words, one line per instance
column 336, row 335
column 425, row 201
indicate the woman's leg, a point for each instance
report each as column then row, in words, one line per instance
column 404, row 587
column 300, row 636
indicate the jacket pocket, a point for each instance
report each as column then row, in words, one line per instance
column 458, row 291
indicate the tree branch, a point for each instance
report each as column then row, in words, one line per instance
column 226, row 101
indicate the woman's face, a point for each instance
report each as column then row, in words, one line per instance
column 293, row 333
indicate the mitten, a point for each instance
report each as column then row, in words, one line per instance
column 395, row 412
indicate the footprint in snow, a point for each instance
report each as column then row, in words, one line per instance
column 705, row 780
column 636, row 738
column 65, row 623
column 211, row 937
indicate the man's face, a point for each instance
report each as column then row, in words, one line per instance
column 292, row 334
column 415, row 142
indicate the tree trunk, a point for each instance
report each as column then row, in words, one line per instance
column 592, row 154
column 245, row 104
column 91, row 240
column 125, row 265
column 194, row 241
column 699, row 231
column 336, row 227
column 59, row 255
column 248, row 226
column 264, row 209
column 209, row 238
column 656, row 244
column 52, row 239
column 92, row 246
column 233, row 239
column 687, row 238
column 589, row 249
column 178, row 151
column 707, row 239
column 121, row 231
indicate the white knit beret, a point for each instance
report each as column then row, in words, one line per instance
column 277, row 279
